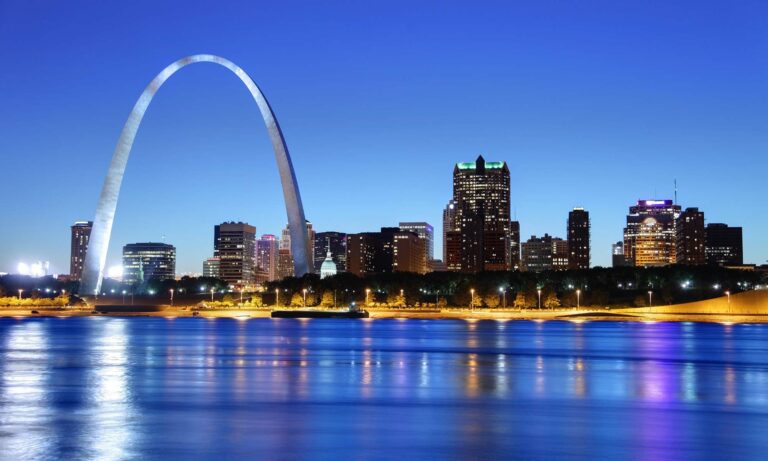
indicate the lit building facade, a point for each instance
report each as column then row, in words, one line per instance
column 724, row 246
column 481, row 197
column 390, row 250
column 691, row 239
column 650, row 237
column 266, row 256
column 578, row 239
column 211, row 267
column 617, row 255
column 285, row 258
column 148, row 261
column 449, row 225
column 426, row 232
column 514, row 245
column 81, row 233
column 234, row 243
column 544, row 253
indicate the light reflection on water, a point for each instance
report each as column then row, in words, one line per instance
column 154, row 388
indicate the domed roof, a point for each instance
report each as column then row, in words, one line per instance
column 328, row 267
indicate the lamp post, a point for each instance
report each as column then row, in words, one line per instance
column 241, row 296
column 123, row 296
column 212, row 291
column 20, row 291
column 472, row 302
column 650, row 298
column 578, row 299
column 171, row 290
column 539, row 292
column 367, row 292
column 728, row 293
column 277, row 297
column 304, row 292
column 503, row 296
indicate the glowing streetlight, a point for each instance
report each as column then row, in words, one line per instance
column 171, row 290
column 123, row 296
column 367, row 292
column 539, row 292
column 728, row 293
column 20, row 292
column 650, row 298
column 213, row 290
column 503, row 296
column 578, row 299
column 277, row 297
column 304, row 291
column 241, row 295
column 472, row 302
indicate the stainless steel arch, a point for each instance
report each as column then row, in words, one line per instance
column 98, row 243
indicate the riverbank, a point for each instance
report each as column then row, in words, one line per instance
column 572, row 315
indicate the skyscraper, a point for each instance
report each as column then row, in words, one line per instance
column 266, row 256
column 617, row 255
column 424, row 231
column 481, row 196
column 337, row 243
column 81, row 233
column 650, row 238
column 451, row 238
column 724, row 245
column 691, row 241
column 514, row 245
column 234, row 243
column 578, row 239
column 285, row 266
column 148, row 261
column 211, row 267
column 390, row 250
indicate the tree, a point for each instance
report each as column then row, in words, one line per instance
column 327, row 299
column 520, row 300
column 640, row 301
column 491, row 300
column 297, row 300
column 551, row 301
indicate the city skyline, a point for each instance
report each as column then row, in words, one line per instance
column 634, row 117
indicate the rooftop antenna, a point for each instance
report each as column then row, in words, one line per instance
column 675, row 191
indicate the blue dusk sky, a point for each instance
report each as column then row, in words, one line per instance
column 594, row 104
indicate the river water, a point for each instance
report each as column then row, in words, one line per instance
column 191, row 388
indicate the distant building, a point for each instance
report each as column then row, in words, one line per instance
column 266, row 257
column 578, row 239
column 81, row 233
column 285, row 267
column 724, row 245
column 514, row 245
column 481, row 196
column 426, row 232
column 211, row 267
column 650, row 238
column 545, row 253
column 390, row 250
column 617, row 255
column 234, row 243
column 449, row 225
column 436, row 265
column 337, row 243
column 691, row 240
column 328, row 267
column 148, row 261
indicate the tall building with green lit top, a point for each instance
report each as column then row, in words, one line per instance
column 482, row 216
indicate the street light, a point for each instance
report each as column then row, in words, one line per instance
column 123, row 296
column 241, row 296
column 304, row 291
column 20, row 291
column 578, row 299
column 472, row 303
column 367, row 292
column 650, row 298
column 277, row 297
column 213, row 290
column 171, row 290
column 539, row 292
column 503, row 296
column 728, row 293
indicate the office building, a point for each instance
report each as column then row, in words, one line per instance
column 578, row 239
column 424, row 231
column 266, row 257
column 81, row 232
column 234, row 243
column 449, row 225
column 514, row 245
column 148, row 261
column 650, row 237
column 390, row 250
column 211, row 267
column 691, row 239
column 724, row 245
column 544, row 253
column 285, row 267
column 481, row 197
column 617, row 255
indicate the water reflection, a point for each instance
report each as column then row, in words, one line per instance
column 134, row 388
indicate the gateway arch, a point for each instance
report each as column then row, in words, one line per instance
column 96, row 255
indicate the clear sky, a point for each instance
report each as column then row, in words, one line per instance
column 593, row 104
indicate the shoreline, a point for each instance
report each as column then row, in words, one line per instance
column 569, row 315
